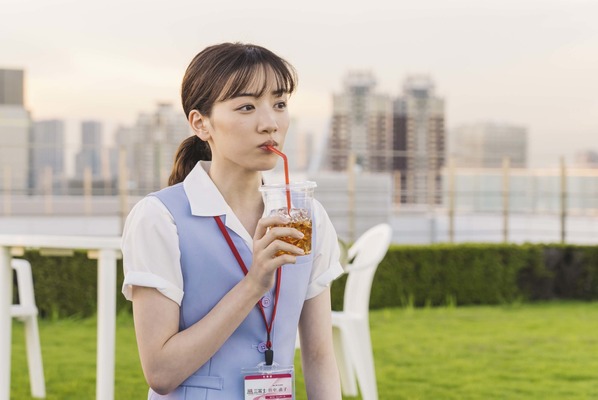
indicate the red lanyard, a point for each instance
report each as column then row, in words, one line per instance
column 269, row 353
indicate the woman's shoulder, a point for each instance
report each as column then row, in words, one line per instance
column 319, row 210
column 168, row 190
column 149, row 208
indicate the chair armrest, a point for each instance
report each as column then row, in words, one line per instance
column 352, row 267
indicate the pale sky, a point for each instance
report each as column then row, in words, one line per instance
column 526, row 62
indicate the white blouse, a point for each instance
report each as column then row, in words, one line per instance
column 150, row 245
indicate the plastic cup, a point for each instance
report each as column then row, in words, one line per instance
column 300, row 213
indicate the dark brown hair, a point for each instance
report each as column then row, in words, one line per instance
column 219, row 73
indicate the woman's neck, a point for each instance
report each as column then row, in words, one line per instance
column 240, row 189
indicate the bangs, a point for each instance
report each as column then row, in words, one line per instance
column 256, row 78
column 228, row 70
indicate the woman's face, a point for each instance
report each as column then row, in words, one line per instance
column 241, row 127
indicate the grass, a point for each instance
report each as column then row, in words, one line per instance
column 526, row 351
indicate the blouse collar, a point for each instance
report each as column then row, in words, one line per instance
column 206, row 200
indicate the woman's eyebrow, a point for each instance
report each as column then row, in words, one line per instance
column 246, row 95
column 277, row 93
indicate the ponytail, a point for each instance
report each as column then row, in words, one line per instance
column 190, row 152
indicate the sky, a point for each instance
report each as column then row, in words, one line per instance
column 532, row 63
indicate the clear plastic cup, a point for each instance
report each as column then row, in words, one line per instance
column 301, row 210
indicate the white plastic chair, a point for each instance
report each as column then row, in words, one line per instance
column 26, row 311
column 351, row 327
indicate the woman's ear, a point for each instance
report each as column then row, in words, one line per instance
column 199, row 123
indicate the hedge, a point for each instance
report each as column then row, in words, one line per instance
column 66, row 286
column 467, row 274
column 408, row 276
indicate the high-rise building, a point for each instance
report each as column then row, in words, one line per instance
column 418, row 142
column 586, row 159
column 11, row 87
column 354, row 201
column 361, row 125
column 150, row 146
column 47, row 154
column 15, row 133
column 298, row 149
column 90, row 155
column 486, row 145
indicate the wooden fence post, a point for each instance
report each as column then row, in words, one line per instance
column 451, row 200
column 506, row 163
column 563, row 200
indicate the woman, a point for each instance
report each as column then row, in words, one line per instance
column 200, row 321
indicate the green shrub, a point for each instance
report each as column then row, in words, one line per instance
column 430, row 275
column 67, row 286
column 466, row 274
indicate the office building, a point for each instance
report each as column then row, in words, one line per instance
column 12, row 87
column 298, row 149
column 418, row 142
column 15, row 133
column 354, row 201
column 586, row 159
column 89, row 157
column 149, row 147
column 361, row 125
column 487, row 144
column 47, row 154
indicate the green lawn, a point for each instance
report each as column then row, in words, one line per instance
column 529, row 351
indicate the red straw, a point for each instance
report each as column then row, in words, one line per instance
column 286, row 174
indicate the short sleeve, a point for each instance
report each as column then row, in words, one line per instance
column 150, row 247
column 326, row 261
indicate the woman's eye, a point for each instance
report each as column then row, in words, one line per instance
column 247, row 107
column 281, row 105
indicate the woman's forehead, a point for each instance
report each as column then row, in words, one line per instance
column 260, row 80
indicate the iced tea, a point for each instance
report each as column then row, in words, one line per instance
column 301, row 221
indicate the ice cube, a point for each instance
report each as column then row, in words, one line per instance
column 280, row 212
column 299, row 214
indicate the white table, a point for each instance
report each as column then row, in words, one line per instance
column 108, row 251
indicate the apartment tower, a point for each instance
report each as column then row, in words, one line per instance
column 361, row 125
column 150, row 145
column 15, row 133
column 47, row 154
column 418, row 142
column 487, row 144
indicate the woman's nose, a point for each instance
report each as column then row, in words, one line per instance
column 267, row 122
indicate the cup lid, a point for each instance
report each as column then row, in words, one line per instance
column 292, row 186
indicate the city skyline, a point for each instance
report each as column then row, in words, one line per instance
column 528, row 63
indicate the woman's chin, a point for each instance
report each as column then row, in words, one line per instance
column 265, row 166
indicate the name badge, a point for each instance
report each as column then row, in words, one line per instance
column 270, row 384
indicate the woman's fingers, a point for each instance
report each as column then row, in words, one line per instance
column 264, row 223
column 271, row 249
column 271, row 229
column 277, row 253
column 284, row 233
column 279, row 247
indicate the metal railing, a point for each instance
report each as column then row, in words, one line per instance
column 447, row 192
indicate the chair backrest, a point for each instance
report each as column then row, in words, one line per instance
column 366, row 253
column 26, row 306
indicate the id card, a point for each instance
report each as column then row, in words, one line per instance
column 273, row 383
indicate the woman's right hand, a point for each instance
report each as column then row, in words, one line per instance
column 266, row 244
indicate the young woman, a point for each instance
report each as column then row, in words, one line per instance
column 200, row 320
